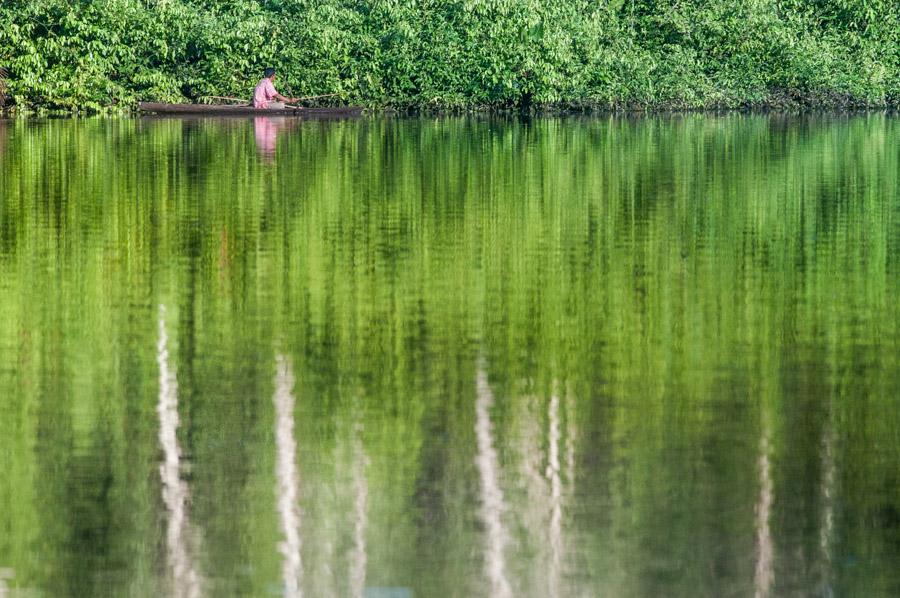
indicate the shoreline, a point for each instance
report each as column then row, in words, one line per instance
column 536, row 111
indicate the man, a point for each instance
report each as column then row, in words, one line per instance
column 265, row 93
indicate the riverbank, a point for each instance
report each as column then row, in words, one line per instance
column 784, row 102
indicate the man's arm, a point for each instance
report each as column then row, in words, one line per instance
column 284, row 99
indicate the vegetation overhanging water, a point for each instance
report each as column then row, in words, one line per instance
column 90, row 56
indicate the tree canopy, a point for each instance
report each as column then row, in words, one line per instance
column 88, row 54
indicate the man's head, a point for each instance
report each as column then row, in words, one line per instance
column 270, row 73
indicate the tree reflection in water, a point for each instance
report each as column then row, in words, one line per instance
column 741, row 257
column 556, row 544
column 186, row 581
column 359, row 557
column 764, row 572
column 826, row 532
column 492, row 504
column 286, row 472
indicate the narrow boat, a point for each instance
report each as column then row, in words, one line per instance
column 220, row 110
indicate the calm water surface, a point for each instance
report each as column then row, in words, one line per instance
column 450, row 357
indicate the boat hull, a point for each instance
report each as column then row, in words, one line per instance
column 211, row 110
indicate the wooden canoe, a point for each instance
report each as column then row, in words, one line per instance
column 218, row 110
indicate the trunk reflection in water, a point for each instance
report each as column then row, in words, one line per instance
column 556, row 540
column 359, row 557
column 829, row 479
column 764, row 550
column 288, row 509
column 541, row 516
column 492, row 506
column 180, row 539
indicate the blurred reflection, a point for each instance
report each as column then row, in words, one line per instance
column 185, row 579
column 764, row 572
column 266, row 129
column 287, row 478
column 828, row 491
column 571, row 433
column 540, row 425
column 556, row 547
column 359, row 556
column 646, row 245
column 492, row 504
column 5, row 573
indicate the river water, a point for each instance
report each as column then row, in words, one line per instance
column 450, row 357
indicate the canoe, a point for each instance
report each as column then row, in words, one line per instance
column 214, row 110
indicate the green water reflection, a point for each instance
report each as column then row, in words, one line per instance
column 450, row 357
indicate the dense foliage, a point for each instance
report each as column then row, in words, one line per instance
column 75, row 54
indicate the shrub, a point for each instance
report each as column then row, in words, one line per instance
column 86, row 54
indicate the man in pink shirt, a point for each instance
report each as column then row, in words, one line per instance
column 265, row 93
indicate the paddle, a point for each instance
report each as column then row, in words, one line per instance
column 324, row 95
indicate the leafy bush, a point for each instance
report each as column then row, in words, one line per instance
column 87, row 54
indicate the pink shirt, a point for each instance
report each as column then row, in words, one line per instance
column 263, row 94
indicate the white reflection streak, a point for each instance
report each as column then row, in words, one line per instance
column 534, row 514
column 570, row 443
column 286, row 472
column 555, row 497
column 186, row 581
column 570, row 433
column 491, row 495
column 828, row 479
column 361, row 489
column 764, row 573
